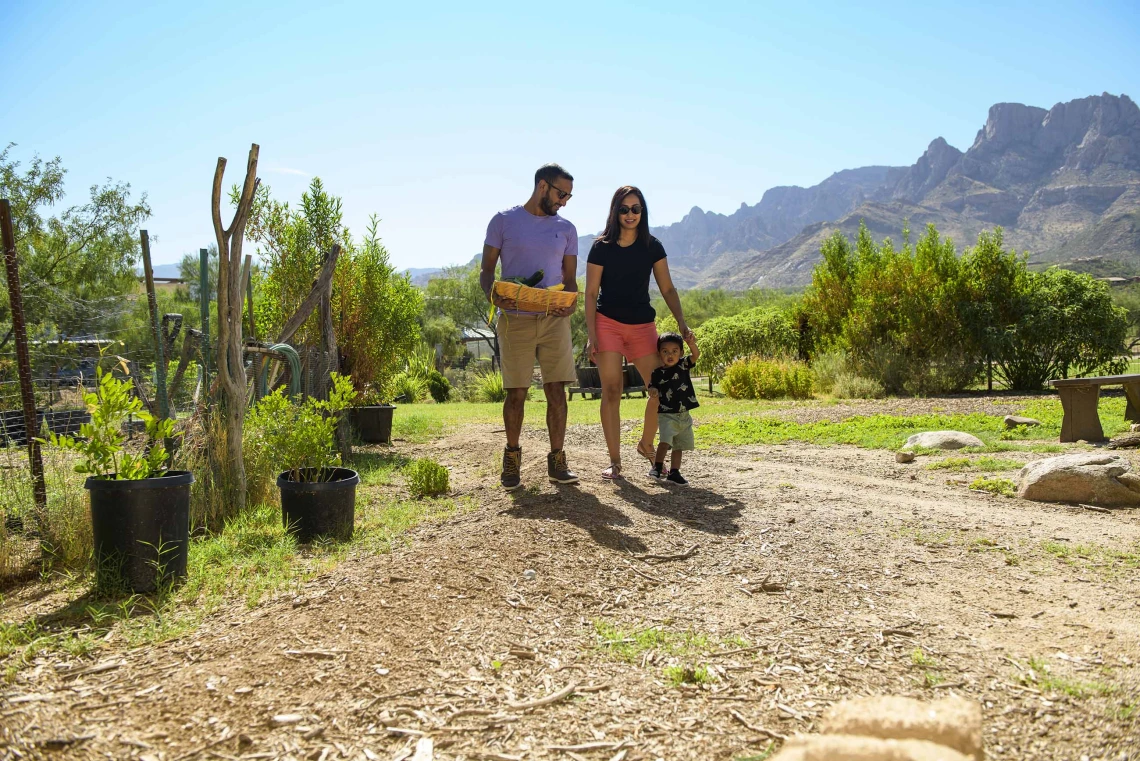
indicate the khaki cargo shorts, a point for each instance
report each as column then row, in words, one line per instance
column 676, row 430
column 525, row 338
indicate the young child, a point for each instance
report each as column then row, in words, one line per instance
column 675, row 397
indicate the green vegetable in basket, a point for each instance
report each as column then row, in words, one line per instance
column 531, row 281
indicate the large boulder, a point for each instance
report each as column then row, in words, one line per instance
column 856, row 748
column 1094, row 478
column 890, row 728
column 943, row 440
column 953, row 722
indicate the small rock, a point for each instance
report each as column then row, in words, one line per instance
column 285, row 719
column 904, row 456
column 943, row 440
column 1013, row 421
column 1134, row 427
column 529, row 574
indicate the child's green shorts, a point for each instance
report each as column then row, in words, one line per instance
column 676, row 429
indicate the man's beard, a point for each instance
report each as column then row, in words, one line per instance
column 547, row 207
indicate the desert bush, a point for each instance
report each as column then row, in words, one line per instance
column 408, row 388
column 426, row 478
column 762, row 332
column 760, row 378
column 828, row 367
column 438, row 386
column 489, row 388
column 851, row 386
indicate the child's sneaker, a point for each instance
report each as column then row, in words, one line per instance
column 676, row 477
column 658, row 471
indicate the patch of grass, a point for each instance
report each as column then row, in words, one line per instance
column 1094, row 556
column 988, row 464
column 678, row 675
column 632, row 644
column 1126, row 711
column 250, row 559
column 1001, row 486
column 377, row 468
column 919, row 658
column 1039, row 674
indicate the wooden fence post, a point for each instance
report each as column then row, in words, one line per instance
column 23, row 362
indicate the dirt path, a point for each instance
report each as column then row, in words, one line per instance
column 807, row 574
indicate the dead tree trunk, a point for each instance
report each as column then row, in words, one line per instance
column 231, row 369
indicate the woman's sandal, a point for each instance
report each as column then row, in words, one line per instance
column 650, row 454
column 613, row 472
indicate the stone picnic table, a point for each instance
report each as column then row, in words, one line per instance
column 1079, row 397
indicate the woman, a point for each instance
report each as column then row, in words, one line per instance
column 619, row 318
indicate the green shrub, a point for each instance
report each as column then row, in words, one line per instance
column 489, row 388
column 759, row 378
column 851, row 386
column 408, row 388
column 427, row 478
column 762, row 332
column 438, row 386
column 299, row 438
column 828, row 367
column 1000, row 486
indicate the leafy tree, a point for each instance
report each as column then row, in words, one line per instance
column 190, row 270
column 75, row 267
column 920, row 320
column 1065, row 322
column 456, row 295
column 375, row 309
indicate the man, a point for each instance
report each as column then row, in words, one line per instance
column 529, row 238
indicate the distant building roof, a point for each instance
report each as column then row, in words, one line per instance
column 476, row 334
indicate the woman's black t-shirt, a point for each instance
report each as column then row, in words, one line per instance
column 624, row 294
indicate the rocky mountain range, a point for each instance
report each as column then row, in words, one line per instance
column 1064, row 183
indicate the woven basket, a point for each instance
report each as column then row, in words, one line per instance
column 535, row 299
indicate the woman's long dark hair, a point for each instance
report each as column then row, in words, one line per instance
column 613, row 227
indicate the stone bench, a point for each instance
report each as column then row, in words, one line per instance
column 1079, row 397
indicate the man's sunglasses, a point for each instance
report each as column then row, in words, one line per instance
column 562, row 194
column 636, row 209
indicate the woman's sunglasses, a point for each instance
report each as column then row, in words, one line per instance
column 636, row 209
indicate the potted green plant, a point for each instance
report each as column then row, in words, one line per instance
column 371, row 418
column 318, row 497
column 140, row 511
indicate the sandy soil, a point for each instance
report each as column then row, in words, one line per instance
column 803, row 574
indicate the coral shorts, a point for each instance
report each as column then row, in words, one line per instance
column 634, row 341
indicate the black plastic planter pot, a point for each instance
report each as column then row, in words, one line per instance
column 310, row 509
column 141, row 530
column 374, row 423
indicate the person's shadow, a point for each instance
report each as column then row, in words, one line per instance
column 581, row 509
column 701, row 509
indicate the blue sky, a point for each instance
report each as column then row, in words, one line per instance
column 435, row 115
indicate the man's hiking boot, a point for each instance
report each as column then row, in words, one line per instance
column 512, row 464
column 558, row 470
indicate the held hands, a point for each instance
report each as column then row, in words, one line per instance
column 691, row 340
column 503, row 302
